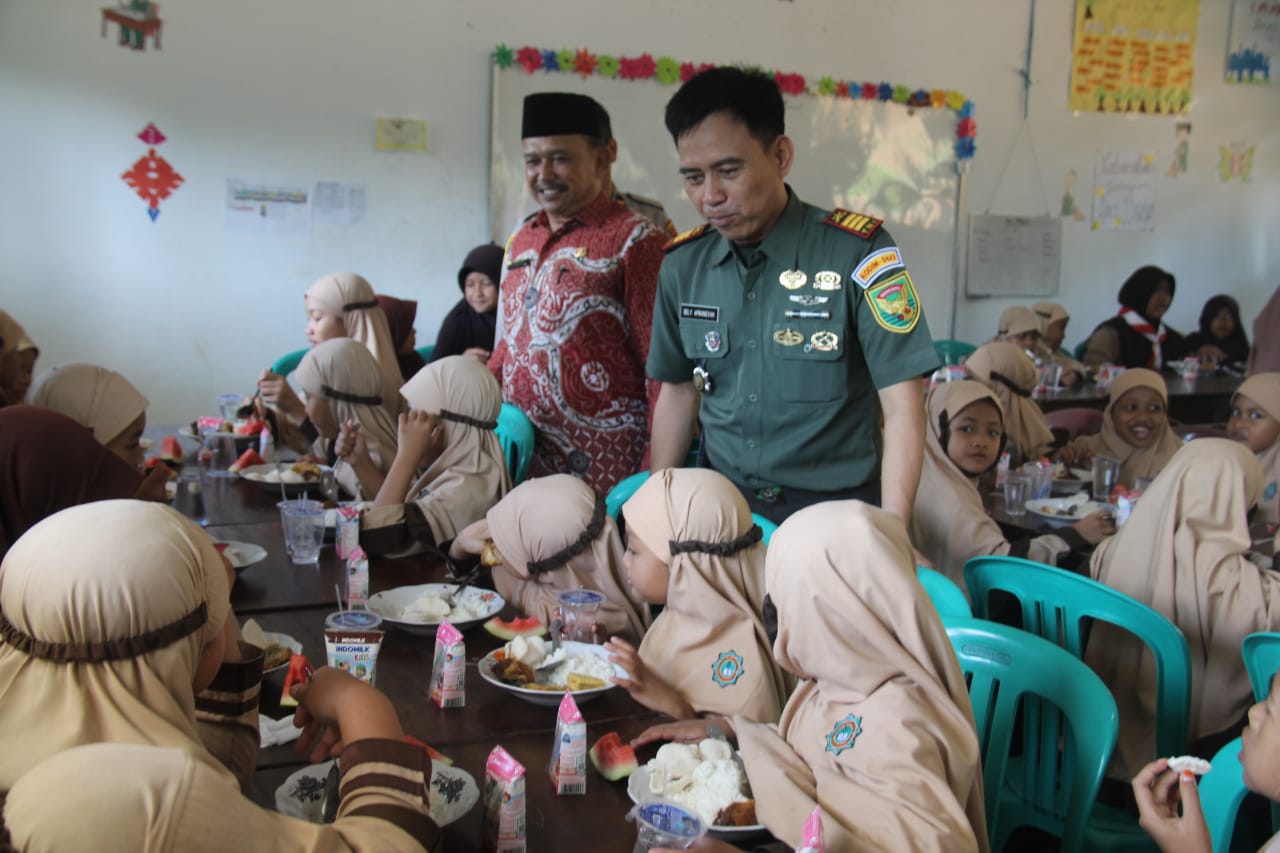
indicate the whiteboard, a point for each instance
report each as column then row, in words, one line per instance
column 878, row 158
column 1013, row 255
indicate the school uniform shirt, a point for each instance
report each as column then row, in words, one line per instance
column 576, row 308
column 795, row 336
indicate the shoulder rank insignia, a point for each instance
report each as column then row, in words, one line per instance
column 894, row 303
column 687, row 236
column 855, row 223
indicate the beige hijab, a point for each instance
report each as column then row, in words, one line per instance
column 1134, row 461
column 342, row 372
column 1011, row 373
column 559, row 525
column 880, row 733
column 107, row 608
column 949, row 524
column 1183, row 552
column 471, row 474
column 1017, row 320
column 709, row 642
column 1049, row 313
column 1264, row 389
column 94, row 397
column 13, row 337
column 352, row 298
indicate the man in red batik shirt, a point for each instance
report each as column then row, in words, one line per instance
column 577, row 291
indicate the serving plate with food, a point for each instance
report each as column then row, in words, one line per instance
column 294, row 476
column 419, row 609
column 707, row 778
column 1066, row 511
column 277, row 648
column 527, row 667
column 451, row 793
column 1068, row 481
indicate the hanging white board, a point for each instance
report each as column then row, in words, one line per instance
column 1013, row 255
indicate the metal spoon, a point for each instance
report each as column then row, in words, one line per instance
column 329, row 804
column 557, row 625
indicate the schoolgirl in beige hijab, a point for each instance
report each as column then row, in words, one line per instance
column 1183, row 552
column 693, row 547
column 1019, row 325
column 555, row 536
column 1053, row 329
column 100, row 399
column 18, row 353
column 1135, row 429
column 449, row 468
column 949, row 523
column 1255, row 421
column 344, row 389
column 1009, row 372
column 880, row 732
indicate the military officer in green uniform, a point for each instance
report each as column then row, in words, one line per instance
column 791, row 331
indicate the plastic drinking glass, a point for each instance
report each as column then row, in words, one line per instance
column 1105, row 473
column 578, row 608
column 303, row 524
column 665, row 824
column 222, row 453
column 227, row 406
column 1017, row 485
column 1190, row 369
column 188, row 499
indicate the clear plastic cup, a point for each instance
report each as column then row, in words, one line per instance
column 303, row 524
column 227, row 406
column 188, row 498
column 665, row 824
column 578, row 609
column 1017, row 485
column 1105, row 473
column 222, row 453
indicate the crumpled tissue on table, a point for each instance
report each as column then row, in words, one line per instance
column 275, row 732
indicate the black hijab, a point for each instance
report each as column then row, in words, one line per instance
column 1236, row 344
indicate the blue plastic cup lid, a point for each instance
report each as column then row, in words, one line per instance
column 359, row 620
column 579, row 597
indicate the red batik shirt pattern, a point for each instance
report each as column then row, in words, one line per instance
column 577, row 306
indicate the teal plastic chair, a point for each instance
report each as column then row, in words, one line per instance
column 1068, row 726
column 952, row 352
column 619, row 494
column 426, row 351
column 1222, row 790
column 1261, row 660
column 515, row 434
column 1055, row 605
column 286, row 364
column 766, row 525
column 1078, row 352
column 948, row 599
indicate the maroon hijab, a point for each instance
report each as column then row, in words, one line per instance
column 400, row 315
column 48, row 462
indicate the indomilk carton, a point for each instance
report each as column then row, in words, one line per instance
column 812, row 841
column 568, row 766
column 449, row 668
column 503, row 828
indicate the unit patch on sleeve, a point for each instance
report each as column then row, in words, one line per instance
column 855, row 223
column 894, row 303
column 875, row 263
column 691, row 234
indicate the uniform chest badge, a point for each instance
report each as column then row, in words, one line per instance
column 793, row 279
column 824, row 341
column 894, row 303
column 843, row 734
column 826, row 280
column 727, row 669
column 702, row 380
column 712, row 340
column 809, row 299
column 788, row 337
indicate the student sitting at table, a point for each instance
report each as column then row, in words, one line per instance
column 1053, row 329
column 1012, row 375
column 18, row 355
column 121, row 654
column 948, row 522
column 1135, row 429
column 449, row 468
column 1019, row 325
column 1221, row 335
column 400, row 314
column 339, row 305
column 880, row 731
column 554, row 536
column 470, row 326
column 1255, row 421
column 693, row 547
column 48, row 462
column 99, row 399
column 344, row 389
column 1184, row 552
column 1137, row 337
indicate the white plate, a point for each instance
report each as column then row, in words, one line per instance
column 451, row 794
column 1083, row 474
column 1045, row 508
column 146, row 443
column 282, row 640
column 243, row 554
column 331, row 515
column 390, row 603
column 638, row 789
column 1067, row 486
column 257, row 474
column 551, row 697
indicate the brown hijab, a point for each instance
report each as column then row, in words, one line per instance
column 49, row 462
column 352, row 298
column 1134, row 461
column 1183, row 552
column 554, row 536
column 880, row 732
column 1264, row 389
column 1012, row 375
column 709, row 642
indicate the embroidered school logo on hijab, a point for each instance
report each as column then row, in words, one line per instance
column 727, row 669
column 844, row 734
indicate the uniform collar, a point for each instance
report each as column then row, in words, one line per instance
column 779, row 243
column 593, row 214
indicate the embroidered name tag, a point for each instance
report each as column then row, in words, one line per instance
column 710, row 313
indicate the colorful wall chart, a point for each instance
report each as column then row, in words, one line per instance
column 1124, row 191
column 1253, row 41
column 1133, row 56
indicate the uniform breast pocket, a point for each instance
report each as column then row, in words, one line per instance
column 808, row 362
column 704, row 340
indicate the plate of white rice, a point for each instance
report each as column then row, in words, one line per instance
column 704, row 777
column 583, row 659
column 420, row 608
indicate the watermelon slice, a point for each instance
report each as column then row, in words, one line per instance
column 299, row 673
column 252, row 426
column 170, row 449
column 529, row 626
column 436, row 756
column 614, row 759
column 247, row 460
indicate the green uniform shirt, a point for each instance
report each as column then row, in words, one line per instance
column 796, row 341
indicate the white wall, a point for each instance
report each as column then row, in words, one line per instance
column 287, row 90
